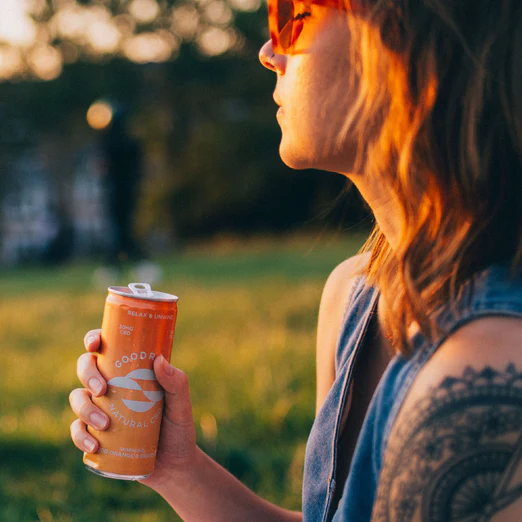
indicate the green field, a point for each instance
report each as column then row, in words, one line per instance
column 245, row 337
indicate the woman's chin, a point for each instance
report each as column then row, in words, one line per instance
column 291, row 158
column 302, row 157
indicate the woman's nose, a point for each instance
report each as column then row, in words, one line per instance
column 271, row 60
column 266, row 53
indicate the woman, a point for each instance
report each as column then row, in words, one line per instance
column 419, row 353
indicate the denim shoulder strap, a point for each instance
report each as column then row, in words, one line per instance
column 493, row 291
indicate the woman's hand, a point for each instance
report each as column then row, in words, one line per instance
column 81, row 398
column 177, row 446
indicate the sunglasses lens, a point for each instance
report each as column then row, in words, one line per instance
column 285, row 16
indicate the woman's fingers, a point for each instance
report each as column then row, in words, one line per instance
column 86, row 411
column 178, row 408
column 80, row 399
column 89, row 374
column 81, row 438
column 92, row 340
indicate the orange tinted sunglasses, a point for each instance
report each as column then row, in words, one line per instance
column 286, row 20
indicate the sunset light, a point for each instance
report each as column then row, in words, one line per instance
column 39, row 37
column 16, row 26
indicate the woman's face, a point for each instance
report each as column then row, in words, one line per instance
column 314, row 94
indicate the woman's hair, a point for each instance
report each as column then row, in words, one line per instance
column 440, row 107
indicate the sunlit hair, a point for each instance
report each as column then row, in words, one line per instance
column 440, row 113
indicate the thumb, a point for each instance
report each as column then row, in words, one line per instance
column 178, row 408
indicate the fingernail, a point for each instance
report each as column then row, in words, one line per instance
column 166, row 367
column 98, row 420
column 90, row 340
column 95, row 385
column 89, row 445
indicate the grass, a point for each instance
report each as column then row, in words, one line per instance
column 245, row 337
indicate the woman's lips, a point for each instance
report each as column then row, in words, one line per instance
column 278, row 103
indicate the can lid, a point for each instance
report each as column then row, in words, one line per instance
column 142, row 291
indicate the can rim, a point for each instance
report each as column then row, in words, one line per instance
column 147, row 295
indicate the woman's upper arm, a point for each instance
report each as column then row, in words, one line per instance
column 336, row 293
column 455, row 450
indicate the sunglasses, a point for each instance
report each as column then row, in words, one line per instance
column 286, row 20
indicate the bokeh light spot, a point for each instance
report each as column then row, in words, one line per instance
column 144, row 11
column 36, row 7
column 245, row 5
column 185, row 21
column 218, row 13
column 215, row 41
column 125, row 24
column 16, row 26
column 103, row 36
column 99, row 115
column 11, row 62
column 148, row 48
column 46, row 62
column 70, row 23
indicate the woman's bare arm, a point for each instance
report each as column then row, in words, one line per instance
column 209, row 493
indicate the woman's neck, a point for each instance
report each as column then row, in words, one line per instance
column 384, row 205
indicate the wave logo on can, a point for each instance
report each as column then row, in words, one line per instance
column 130, row 382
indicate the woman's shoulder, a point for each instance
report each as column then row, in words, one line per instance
column 340, row 284
column 344, row 275
column 336, row 294
column 490, row 341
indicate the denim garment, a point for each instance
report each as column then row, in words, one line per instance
column 489, row 292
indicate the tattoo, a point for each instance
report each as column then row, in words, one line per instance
column 456, row 456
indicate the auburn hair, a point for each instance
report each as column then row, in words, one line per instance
column 440, row 105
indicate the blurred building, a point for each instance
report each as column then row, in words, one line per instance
column 92, row 233
column 37, row 225
column 28, row 224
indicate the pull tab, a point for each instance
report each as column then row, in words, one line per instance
column 143, row 289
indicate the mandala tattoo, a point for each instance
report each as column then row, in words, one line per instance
column 456, row 457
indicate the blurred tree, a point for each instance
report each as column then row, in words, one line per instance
column 123, row 157
column 199, row 101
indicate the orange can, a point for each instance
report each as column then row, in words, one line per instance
column 138, row 325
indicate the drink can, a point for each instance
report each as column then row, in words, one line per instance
column 138, row 326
